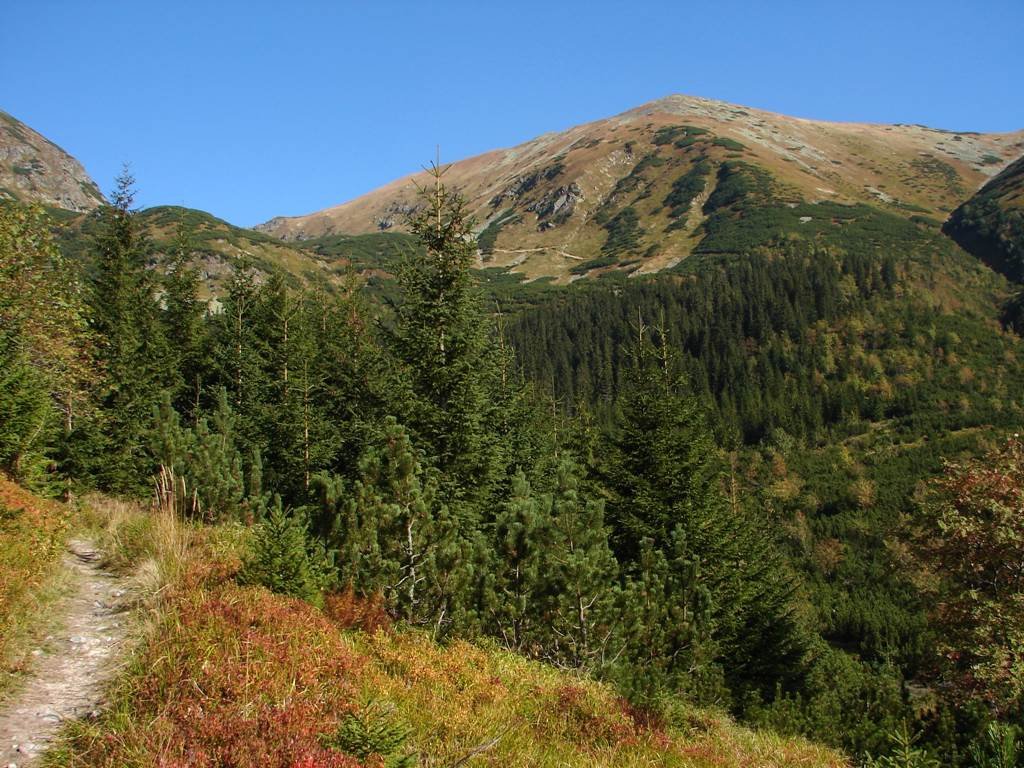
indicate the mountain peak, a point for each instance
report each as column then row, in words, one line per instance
column 635, row 191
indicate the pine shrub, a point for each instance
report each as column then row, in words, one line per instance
column 284, row 558
column 373, row 732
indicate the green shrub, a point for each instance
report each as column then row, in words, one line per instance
column 586, row 266
column 686, row 188
column 669, row 133
column 373, row 731
column 624, row 233
column 729, row 144
column 285, row 559
column 1001, row 747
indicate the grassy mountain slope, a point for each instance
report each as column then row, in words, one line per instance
column 34, row 169
column 640, row 191
column 232, row 675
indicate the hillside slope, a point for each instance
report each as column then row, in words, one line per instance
column 216, row 248
column 991, row 224
column 233, row 675
column 636, row 190
column 34, row 169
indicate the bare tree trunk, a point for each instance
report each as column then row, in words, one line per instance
column 412, row 565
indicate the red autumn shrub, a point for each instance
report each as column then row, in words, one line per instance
column 350, row 611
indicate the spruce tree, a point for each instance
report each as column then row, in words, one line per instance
column 665, row 480
column 184, row 322
column 352, row 374
column 441, row 336
column 299, row 435
column 131, row 343
column 241, row 366
column 285, row 559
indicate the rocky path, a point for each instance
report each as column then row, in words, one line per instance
column 70, row 672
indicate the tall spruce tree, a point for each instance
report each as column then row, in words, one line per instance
column 241, row 365
column 665, row 481
column 351, row 374
column 300, row 437
column 184, row 321
column 132, row 347
column 442, row 337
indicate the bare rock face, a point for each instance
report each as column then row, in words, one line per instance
column 556, row 206
column 395, row 213
column 34, row 169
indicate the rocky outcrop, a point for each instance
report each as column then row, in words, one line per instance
column 395, row 213
column 34, row 169
column 556, row 206
column 521, row 186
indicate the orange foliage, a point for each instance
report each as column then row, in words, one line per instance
column 350, row 611
column 235, row 677
column 32, row 532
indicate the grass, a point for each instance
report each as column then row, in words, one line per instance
column 228, row 675
column 33, row 532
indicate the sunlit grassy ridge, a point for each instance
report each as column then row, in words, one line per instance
column 236, row 676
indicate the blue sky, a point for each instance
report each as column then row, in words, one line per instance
column 255, row 109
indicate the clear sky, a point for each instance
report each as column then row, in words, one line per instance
column 255, row 109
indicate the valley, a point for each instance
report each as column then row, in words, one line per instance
column 659, row 438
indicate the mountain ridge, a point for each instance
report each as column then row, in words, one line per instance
column 543, row 206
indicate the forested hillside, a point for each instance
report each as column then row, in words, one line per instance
column 840, row 377
column 991, row 223
column 713, row 486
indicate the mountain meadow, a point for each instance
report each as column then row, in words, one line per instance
column 687, row 437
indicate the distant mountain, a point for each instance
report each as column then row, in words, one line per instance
column 34, row 169
column 991, row 224
column 641, row 191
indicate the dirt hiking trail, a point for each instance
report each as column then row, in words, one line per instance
column 69, row 673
